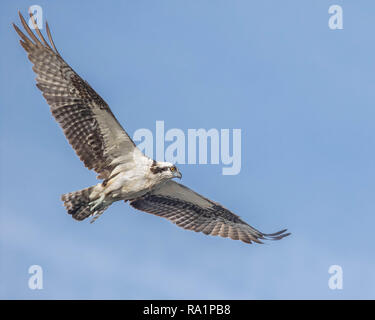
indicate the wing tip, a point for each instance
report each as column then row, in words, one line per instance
column 276, row 235
column 41, row 41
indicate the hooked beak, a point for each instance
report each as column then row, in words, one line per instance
column 178, row 174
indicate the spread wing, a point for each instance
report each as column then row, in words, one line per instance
column 191, row 211
column 86, row 119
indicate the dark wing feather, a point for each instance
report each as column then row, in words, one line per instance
column 86, row 119
column 191, row 211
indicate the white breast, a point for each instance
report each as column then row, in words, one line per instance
column 131, row 180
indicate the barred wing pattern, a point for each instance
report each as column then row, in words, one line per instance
column 86, row 119
column 191, row 211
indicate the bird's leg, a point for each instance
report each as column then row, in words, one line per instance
column 97, row 203
column 97, row 207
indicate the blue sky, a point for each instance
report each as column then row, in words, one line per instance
column 303, row 96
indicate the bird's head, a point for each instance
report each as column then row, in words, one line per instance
column 165, row 170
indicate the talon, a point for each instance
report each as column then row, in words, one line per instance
column 96, row 216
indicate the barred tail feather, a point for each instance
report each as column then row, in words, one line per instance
column 78, row 203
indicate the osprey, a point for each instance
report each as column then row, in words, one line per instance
column 103, row 145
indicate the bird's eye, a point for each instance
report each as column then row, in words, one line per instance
column 173, row 169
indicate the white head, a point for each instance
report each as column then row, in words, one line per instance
column 165, row 170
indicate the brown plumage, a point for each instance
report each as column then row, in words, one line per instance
column 103, row 145
column 191, row 211
column 82, row 114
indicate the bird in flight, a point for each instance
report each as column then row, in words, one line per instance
column 104, row 146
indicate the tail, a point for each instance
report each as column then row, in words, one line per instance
column 78, row 203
